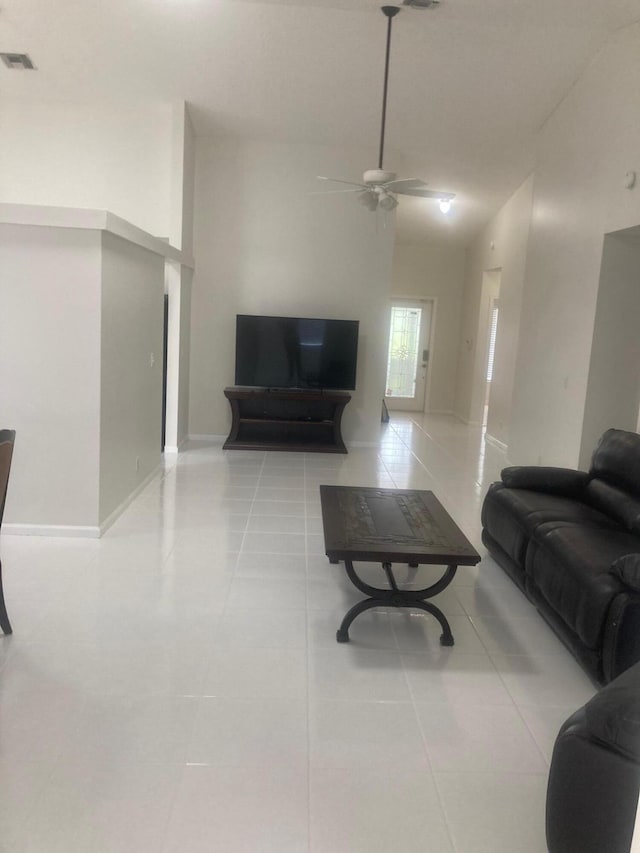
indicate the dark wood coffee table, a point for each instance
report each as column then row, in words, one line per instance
column 393, row 526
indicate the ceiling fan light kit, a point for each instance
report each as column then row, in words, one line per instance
column 369, row 199
column 387, row 201
column 379, row 187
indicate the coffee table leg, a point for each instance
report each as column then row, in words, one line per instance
column 342, row 634
column 395, row 597
column 446, row 638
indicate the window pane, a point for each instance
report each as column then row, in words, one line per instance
column 404, row 341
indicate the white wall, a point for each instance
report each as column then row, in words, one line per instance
column 182, row 210
column 82, row 312
column 136, row 162
column 613, row 389
column 132, row 308
column 182, row 179
column 434, row 272
column 185, row 356
column 585, row 150
column 49, row 373
column 266, row 245
column 91, row 155
column 502, row 245
column 178, row 280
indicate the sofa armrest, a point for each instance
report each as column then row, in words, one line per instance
column 627, row 570
column 613, row 719
column 592, row 793
column 538, row 478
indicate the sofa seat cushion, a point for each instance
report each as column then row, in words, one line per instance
column 511, row 515
column 569, row 566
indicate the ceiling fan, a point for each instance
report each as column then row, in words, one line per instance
column 379, row 187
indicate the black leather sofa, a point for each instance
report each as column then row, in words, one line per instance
column 594, row 778
column 571, row 541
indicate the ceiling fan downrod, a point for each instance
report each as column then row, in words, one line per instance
column 390, row 12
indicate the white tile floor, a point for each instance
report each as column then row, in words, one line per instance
column 177, row 686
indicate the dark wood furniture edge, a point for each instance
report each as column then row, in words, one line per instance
column 339, row 399
column 454, row 551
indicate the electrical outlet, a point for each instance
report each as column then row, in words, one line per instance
column 152, row 360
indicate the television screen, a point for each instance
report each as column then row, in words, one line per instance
column 296, row 352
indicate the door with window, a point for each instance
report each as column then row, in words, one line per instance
column 408, row 354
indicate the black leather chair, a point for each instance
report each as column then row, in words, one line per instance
column 594, row 778
column 7, row 439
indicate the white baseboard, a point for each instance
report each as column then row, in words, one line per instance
column 173, row 449
column 76, row 531
column 106, row 524
column 362, row 444
column 495, row 442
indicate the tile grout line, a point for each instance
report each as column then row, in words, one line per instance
column 234, row 575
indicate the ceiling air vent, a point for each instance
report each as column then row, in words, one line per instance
column 421, row 4
column 17, row 61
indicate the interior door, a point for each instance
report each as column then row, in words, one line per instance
column 408, row 354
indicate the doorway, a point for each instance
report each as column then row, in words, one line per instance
column 408, row 354
column 484, row 383
column 493, row 332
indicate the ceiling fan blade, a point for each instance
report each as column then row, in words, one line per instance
column 340, row 181
column 332, row 192
column 426, row 193
column 407, row 183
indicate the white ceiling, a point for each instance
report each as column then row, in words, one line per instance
column 471, row 82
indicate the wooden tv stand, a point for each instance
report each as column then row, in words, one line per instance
column 271, row 419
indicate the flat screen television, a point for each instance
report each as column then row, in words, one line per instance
column 296, row 352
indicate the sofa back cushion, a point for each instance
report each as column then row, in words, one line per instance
column 615, row 503
column 616, row 459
